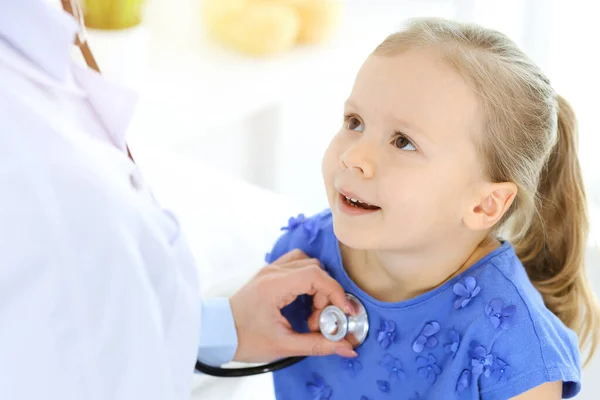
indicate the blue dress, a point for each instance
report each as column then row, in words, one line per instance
column 485, row 334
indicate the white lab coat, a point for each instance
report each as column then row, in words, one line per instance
column 98, row 291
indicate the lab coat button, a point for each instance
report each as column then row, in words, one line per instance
column 135, row 182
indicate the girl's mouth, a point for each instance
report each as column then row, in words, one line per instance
column 351, row 205
column 359, row 204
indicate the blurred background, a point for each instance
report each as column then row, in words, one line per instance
column 263, row 110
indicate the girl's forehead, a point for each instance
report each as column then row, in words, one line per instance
column 420, row 72
column 416, row 86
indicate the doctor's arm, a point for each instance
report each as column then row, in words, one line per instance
column 218, row 337
column 249, row 327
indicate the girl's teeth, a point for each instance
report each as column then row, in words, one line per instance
column 358, row 204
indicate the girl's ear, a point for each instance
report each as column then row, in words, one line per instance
column 490, row 205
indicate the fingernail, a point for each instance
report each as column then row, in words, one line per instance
column 350, row 309
column 344, row 352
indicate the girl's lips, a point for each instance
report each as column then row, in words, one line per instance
column 354, row 198
column 348, row 207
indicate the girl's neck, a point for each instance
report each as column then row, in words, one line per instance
column 394, row 276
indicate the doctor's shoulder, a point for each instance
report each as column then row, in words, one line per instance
column 309, row 234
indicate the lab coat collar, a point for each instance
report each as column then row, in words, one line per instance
column 114, row 103
column 42, row 33
column 40, row 39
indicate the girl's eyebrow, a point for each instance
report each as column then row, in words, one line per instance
column 402, row 123
column 411, row 128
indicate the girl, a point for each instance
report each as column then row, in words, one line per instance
column 458, row 218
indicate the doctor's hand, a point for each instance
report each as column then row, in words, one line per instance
column 263, row 333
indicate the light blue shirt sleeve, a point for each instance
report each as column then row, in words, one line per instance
column 218, row 337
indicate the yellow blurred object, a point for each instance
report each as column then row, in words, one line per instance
column 318, row 17
column 267, row 27
column 259, row 30
column 112, row 14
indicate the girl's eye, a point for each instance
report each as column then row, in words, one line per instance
column 352, row 123
column 403, row 143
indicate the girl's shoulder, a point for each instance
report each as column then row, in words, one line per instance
column 513, row 342
column 312, row 235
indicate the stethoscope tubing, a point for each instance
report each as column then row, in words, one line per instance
column 247, row 371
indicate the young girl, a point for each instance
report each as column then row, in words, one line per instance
column 452, row 139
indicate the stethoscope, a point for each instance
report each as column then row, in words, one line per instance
column 334, row 325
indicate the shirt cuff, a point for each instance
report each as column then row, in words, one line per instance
column 218, row 337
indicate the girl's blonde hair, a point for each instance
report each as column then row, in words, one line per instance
column 529, row 138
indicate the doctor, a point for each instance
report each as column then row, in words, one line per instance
column 99, row 294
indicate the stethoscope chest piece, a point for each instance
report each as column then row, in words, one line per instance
column 336, row 325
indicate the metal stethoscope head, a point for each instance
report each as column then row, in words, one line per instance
column 334, row 325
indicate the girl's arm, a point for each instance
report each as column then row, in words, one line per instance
column 545, row 391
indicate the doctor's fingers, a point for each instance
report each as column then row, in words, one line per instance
column 278, row 268
column 290, row 256
column 312, row 280
column 313, row 321
column 291, row 265
column 299, row 264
